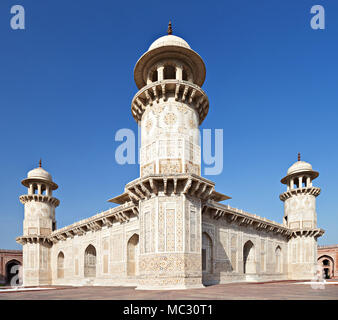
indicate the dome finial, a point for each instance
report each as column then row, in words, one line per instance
column 170, row 30
column 298, row 156
column 40, row 163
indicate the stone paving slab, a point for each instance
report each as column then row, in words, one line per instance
column 232, row 291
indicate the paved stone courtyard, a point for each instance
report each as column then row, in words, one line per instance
column 232, row 291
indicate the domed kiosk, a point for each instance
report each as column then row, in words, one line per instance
column 299, row 174
column 39, row 180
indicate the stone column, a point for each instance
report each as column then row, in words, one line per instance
column 179, row 72
column 300, row 182
column 309, row 182
column 160, row 72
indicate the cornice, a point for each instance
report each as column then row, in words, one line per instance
column 311, row 232
column 183, row 91
column 39, row 198
column 34, row 239
column 120, row 214
column 233, row 215
column 152, row 185
column 315, row 191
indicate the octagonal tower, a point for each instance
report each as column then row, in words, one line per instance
column 170, row 106
column 39, row 222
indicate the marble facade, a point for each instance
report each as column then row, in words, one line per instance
column 170, row 229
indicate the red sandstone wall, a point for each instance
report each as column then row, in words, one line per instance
column 5, row 257
column 331, row 251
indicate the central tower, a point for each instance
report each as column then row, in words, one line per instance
column 169, row 107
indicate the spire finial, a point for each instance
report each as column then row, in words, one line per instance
column 170, row 30
column 298, row 156
column 40, row 163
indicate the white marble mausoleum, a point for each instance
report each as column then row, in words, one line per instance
column 170, row 229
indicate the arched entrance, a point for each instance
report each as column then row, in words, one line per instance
column 12, row 270
column 249, row 263
column 60, row 265
column 132, row 255
column 207, row 258
column 278, row 253
column 90, row 262
column 327, row 265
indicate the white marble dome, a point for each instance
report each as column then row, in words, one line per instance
column 299, row 166
column 39, row 173
column 169, row 40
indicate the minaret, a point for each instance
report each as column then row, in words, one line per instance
column 38, row 224
column 169, row 107
column 301, row 217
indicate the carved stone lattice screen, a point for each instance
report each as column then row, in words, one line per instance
column 90, row 262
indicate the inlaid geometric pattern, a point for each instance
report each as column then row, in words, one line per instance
column 170, row 228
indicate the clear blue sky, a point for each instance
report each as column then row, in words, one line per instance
column 66, row 83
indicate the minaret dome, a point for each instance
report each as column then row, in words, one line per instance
column 299, row 175
column 188, row 64
column 39, row 180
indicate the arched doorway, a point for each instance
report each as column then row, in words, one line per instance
column 278, row 253
column 60, row 265
column 12, row 270
column 207, row 257
column 90, row 262
column 249, row 263
column 327, row 265
column 132, row 255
